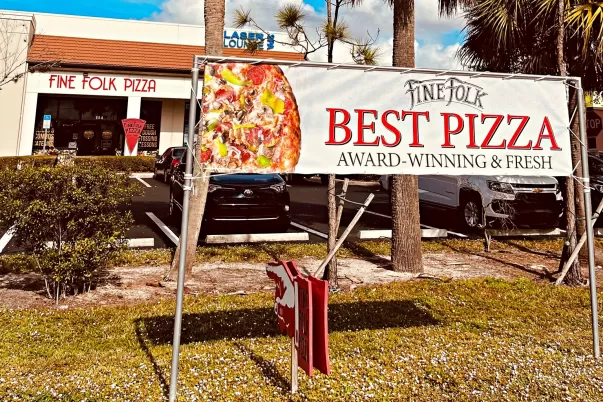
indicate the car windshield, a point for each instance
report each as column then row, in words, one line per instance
column 178, row 152
column 595, row 166
column 244, row 178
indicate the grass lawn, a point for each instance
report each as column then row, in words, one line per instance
column 476, row 340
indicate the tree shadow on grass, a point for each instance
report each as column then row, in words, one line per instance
column 368, row 255
column 262, row 323
column 541, row 275
column 523, row 248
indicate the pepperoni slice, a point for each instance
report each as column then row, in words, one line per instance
column 205, row 155
column 225, row 95
column 256, row 74
column 245, row 156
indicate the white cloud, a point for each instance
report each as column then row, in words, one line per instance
column 371, row 17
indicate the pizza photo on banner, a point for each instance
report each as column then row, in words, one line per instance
column 312, row 119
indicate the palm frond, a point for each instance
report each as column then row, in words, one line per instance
column 334, row 33
column 449, row 8
column 587, row 22
column 290, row 16
column 241, row 18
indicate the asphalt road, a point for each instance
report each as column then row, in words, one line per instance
column 308, row 212
column 308, row 209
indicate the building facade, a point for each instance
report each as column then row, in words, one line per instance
column 90, row 73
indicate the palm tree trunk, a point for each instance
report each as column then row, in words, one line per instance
column 214, row 27
column 570, row 196
column 406, row 228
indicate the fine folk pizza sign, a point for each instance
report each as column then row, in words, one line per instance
column 300, row 305
column 305, row 119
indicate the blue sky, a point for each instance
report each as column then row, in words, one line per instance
column 136, row 9
column 437, row 38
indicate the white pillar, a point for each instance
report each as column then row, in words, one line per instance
column 29, row 124
column 133, row 112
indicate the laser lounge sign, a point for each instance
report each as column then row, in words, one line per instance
column 312, row 119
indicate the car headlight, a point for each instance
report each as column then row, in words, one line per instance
column 213, row 187
column 279, row 188
column 500, row 187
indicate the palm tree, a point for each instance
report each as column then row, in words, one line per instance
column 563, row 37
column 406, row 252
column 214, row 12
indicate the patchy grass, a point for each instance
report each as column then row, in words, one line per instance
column 292, row 251
column 482, row 340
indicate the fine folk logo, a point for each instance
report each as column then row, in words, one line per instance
column 445, row 90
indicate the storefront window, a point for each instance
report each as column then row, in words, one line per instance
column 150, row 111
column 87, row 125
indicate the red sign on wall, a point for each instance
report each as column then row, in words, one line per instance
column 132, row 129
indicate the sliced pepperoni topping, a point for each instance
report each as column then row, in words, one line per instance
column 224, row 127
column 205, row 155
column 225, row 95
column 256, row 74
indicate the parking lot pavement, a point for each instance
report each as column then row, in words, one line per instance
column 308, row 212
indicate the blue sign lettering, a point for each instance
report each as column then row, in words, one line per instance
column 238, row 40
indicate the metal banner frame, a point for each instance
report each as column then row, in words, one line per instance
column 199, row 61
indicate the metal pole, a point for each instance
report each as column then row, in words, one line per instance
column 45, row 136
column 345, row 234
column 589, row 227
column 183, row 233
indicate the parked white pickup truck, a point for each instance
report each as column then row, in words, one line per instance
column 520, row 201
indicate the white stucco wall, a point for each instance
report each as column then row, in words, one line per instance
column 131, row 30
column 15, row 38
column 172, row 124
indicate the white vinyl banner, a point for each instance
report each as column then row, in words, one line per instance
column 303, row 119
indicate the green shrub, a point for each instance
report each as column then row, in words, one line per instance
column 11, row 162
column 80, row 210
column 119, row 163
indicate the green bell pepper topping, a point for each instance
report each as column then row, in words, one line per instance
column 264, row 162
column 212, row 125
column 231, row 77
column 276, row 104
column 222, row 149
column 272, row 143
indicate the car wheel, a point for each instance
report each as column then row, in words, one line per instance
column 283, row 225
column 166, row 177
column 471, row 213
column 155, row 173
